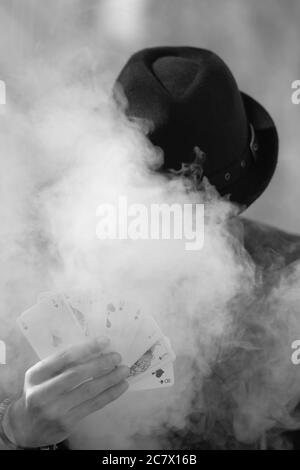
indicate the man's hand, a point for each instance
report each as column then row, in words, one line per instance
column 61, row 390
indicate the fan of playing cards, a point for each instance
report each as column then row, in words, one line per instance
column 59, row 320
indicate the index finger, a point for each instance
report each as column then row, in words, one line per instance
column 77, row 354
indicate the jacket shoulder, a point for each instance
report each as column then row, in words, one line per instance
column 269, row 246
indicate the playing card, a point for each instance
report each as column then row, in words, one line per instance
column 120, row 323
column 157, row 355
column 132, row 318
column 147, row 333
column 159, row 378
column 50, row 326
column 114, row 317
column 86, row 307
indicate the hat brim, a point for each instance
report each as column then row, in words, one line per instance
column 248, row 188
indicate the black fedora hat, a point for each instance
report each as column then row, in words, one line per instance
column 196, row 108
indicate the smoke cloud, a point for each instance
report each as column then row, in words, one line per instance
column 66, row 148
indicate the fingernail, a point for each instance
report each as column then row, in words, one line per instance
column 116, row 359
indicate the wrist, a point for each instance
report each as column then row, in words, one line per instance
column 11, row 433
column 12, row 428
column 6, row 426
column 6, row 436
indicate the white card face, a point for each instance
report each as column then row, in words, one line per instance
column 114, row 318
column 85, row 304
column 132, row 318
column 159, row 354
column 50, row 327
column 147, row 334
column 87, row 307
column 158, row 378
column 120, row 322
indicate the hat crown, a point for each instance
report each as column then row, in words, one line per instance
column 176, row 74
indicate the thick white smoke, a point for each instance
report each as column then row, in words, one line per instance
column 65, row 149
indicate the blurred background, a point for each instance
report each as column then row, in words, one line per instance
column 258, row 40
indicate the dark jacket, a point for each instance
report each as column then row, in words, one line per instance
column 275, row 255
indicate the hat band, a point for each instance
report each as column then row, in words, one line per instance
column 240, row 167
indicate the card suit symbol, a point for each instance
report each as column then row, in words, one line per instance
column 137, row 314
column 111, row 307
column 158, row 373
column 56, row 341
column 80, row 318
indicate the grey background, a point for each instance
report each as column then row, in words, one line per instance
column 258, row 39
